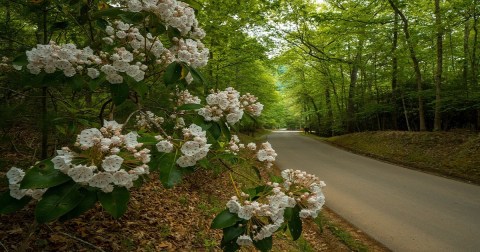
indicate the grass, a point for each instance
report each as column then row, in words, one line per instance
column 450, row 154
column 343, row 235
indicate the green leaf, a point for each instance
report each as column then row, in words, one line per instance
column 102, row 23
column 295, row 224
column 194, row 4
column 119, row 93
column 173, row 73
column 115, row 203
column 43, row 175
column 224, row 219
column 264, row 245
column 190, row 106
column 8, row 204
column 197, row 76
column 215, row 131
column 230, row 246
column 21, row 60
column 58, row 201
column 110, row 12
column 88, row 201
column 225, row 130
column 231, row 233
column 170, row 175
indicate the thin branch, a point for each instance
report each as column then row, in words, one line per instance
column 6, row 250
column 77, row 239
column 237, row 173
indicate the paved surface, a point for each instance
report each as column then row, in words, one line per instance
column 404, row 209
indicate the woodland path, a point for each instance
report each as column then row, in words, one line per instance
column 406, row 210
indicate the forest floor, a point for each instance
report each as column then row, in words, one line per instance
column 160, row 219
column 453, row 154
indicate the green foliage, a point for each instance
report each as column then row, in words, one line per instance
column 43, row 175
column 116, row 202
column 224, row 219
column 9, row 205
column 58, row 201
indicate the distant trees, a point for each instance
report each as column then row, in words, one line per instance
column 410, row 65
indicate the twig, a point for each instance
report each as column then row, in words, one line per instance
column 237, row 173
column 77, row 239
column 6, row 250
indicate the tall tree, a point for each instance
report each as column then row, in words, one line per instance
column 437, row 124
column 416, row 65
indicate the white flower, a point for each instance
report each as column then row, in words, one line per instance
column 252, row 146
column 92, row 73
column 186, row 161
column 80, row 173
column 164, row 146
column 62, row 163
column 123, row 178
column 16, row 192
column 89, row 137
column 244, row 240
column 112, row 163
column 101, row 180
column 15, row 175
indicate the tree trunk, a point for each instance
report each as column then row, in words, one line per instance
column 474, row 47
column 466, row 36
column 351, row 91
column 437, row 124
column 328, row 103
column 395, row 71
column 416, row 65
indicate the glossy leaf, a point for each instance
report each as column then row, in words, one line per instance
column 173, row 73
column 232, row 233
column 170, row 174
column 43, row 175
column 115, row 202
column 295, row 223
column 58, row 201
column 88, row 201
column 264, row 245
column 8, row 204
column 224, row 219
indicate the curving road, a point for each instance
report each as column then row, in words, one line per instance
column 404, row 209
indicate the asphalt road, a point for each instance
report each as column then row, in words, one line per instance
column 404, row 209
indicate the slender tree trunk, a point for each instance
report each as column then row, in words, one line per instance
column 416, row 65
column 351, row 91
column 437, row 124
column 395, row 71
column 474, row 47
column 405, row 112
column 466, row 52
column 328, row 103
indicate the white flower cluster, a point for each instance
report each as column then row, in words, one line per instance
column 108, row 159
column 184, row 97
column 66, row 58
column 195, row 147
column 234, row 145
column 15, row 176
column 265, row 217
column 311, row 201
column 147, row 120
column 122, row 62
column 174, row 13
column 266, row 154
column 266, row 213
column 222, row 104
column 190, row 51
column 250, row 104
